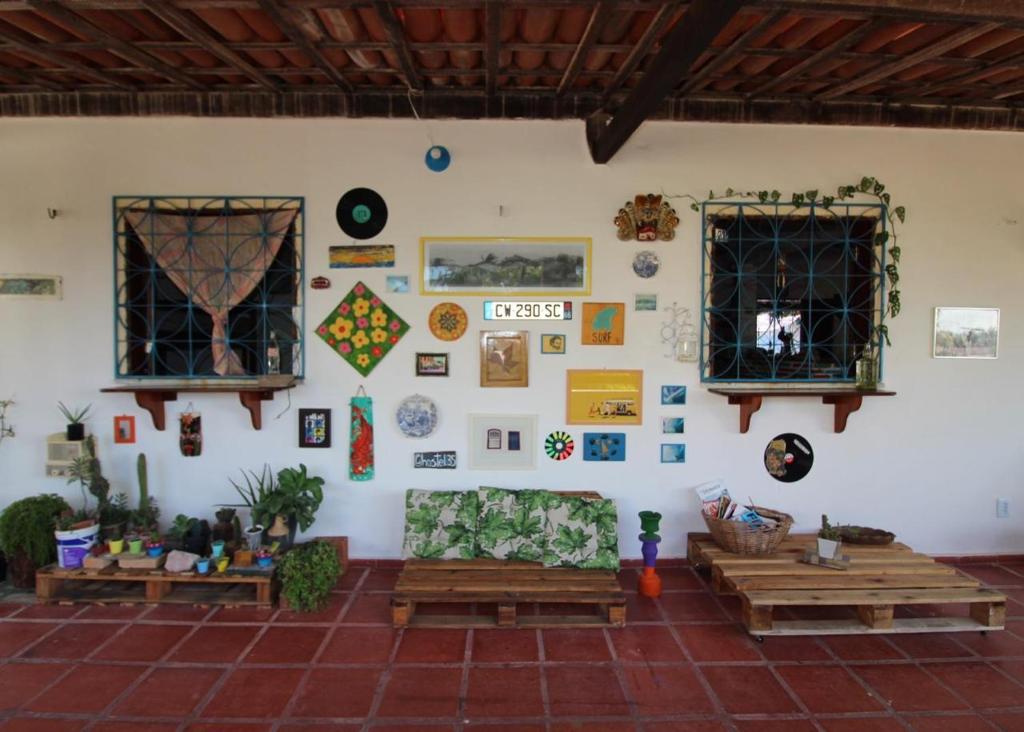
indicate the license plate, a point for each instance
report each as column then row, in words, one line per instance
column 505, row 310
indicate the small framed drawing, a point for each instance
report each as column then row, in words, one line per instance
column 604, row 324
column 673, row 453
column 398, row 283
column 552, row 343
column 604, row 396
column 431, row 364
column 314, row 428
column 673, row 395
column 645, row 302
column 124, row 429
column 502, row 441
column 40, row 287
column 673, row 425
column 966, row 333
column 504, row 358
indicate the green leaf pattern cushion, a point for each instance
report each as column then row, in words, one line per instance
column 440, row 524
column 581, row 532
column 511, row 524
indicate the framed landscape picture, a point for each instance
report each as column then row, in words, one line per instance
column 505, row 266
column 604, row 396
column 966, row 333
column 431, row 364
column 502, row 441
column 504, row 358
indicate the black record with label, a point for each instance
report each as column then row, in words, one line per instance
column 362, row 213
column 788, row 457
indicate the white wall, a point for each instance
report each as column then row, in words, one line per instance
column 927, row 464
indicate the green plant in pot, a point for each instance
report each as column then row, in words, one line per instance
column 75, row 418
column 146, row 517
column 26, row 535
column 189, row 533
column 308, row 574
column 284, row 505
column 829, row 544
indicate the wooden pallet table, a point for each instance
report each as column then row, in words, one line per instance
column 115, row 585
column 879, row 579
column 506, row 585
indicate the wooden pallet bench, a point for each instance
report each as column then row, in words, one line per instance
column 507, row 585
column 879, row 579
column 115, row 585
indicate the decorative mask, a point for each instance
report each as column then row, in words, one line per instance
column 647, row 218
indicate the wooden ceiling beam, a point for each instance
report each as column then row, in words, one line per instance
column 396, row 37
column 26, row 44
column 185, row 24
column 642, row 47
column 691, row 37
column 950, row 10
column 599, row 17
column 30, row 78
column 730, row 52
column 1014, row 62
column 492, row 36
column 279, row 15
column 79, row 24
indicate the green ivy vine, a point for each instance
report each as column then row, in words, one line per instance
column 869, row 187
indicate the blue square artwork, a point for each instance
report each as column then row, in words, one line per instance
column 673, row 395
column 673, row 453
column 604, row 446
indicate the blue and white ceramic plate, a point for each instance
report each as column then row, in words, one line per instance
column 646, row 264
column 417, row 416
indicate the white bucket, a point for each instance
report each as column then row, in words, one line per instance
column 73, row 546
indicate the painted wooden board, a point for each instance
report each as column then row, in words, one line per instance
column 853, row 626
column 874, row 597
column 850, row 582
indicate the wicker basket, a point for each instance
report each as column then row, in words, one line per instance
column 740, row 537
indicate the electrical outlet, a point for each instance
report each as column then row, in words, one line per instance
column 1002, row 508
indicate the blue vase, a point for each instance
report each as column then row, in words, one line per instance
column 202, row 566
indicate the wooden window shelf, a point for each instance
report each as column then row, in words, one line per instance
column 846, row 401
column 152, row 397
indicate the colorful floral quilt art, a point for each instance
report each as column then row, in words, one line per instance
column 362, row 329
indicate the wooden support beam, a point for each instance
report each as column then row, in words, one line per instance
column 70, row 19
column 396, row 37
column 187, row 26
column 1013, row 62
column 280, row 16
column 953, row 9
column 691, row 37
column 641, row 49
column 26, row 76
column 1008, row 91
column 953, row 40
column 736, row 48
column 595, row 26
column 25, row 44
column 492, row 34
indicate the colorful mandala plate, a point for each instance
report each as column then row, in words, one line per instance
column 362, row 329
column 559, row 445
column 448, row 321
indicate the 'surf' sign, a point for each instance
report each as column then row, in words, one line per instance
column 443, row 460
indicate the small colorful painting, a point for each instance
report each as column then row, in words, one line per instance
column 448, row 321
column 673, row 395
column 362, row 329
column 673, row 453
column 504, row 358
column 124, row 429
column 966, row 333
column 361, row 464
column 559, row 445
column 604, row 446
column 45, row 287
column 645, row 302
column 398, row 283
column 552, row 343
column 441, row 460
column 314, row 428
column 673, row 425
column 604, row 396
column 362, row 255
column 431, row 364
column 604, row 323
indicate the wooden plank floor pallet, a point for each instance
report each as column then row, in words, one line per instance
column 878, row 580
column 506, row 585
column 115, row 585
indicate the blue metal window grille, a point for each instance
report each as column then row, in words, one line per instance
column 208, row 288
column 790, row 293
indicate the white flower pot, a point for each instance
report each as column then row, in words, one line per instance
column 828, row 549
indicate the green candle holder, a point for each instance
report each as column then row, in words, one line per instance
column 649, row 521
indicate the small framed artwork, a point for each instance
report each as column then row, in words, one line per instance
column 645, row 302
column 398, row 283
column 604, row 324
column 673, row 395
column 431, row 364
column 314, row 428
column 40, row 287
column 608, row 447
column 502, row 441
column 124, row 429
column 966, row 333
column 604, row 396
column 673, row 453
column 504, row 358
column 673, row 425
column 552, row 343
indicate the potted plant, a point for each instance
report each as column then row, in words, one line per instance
column 144, row 519
column 74, row 417
column 224, row 529
column 26, row 536
column 283, row 505
column 829, row 545
column 116, row 543
column 134, row 544
column 217, row 549
column 308, row 574
column 203, row 565
column 264, row 558
column 154, row 546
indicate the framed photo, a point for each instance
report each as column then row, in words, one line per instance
column 673, row 395
column 502, row 441
column 673, row 453
column 504, row 358
column 314, row 428
column 552, row 343
column 604, row 396
column 645, row 302
column 520, row 266
column 362, row 255
column 431, row 364
column 398, row 283
column 39, row 287
column 673, row 425
column 604, row 324
column 124, row 429
column 966, row 333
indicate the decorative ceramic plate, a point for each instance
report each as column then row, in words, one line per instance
column 448, row 321
column 417, row 416
column 646, row 264
column 559, row 445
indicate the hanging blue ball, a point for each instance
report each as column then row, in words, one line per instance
column 438, row 158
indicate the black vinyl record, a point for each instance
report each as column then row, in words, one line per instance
column 788, row 457
column 362, row 213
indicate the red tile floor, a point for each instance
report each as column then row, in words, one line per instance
column 683, row 663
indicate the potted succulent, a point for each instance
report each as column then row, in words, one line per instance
column 75, row 429
column 115, row 544
column 134, row 544
column 144, row 518
column 264, row 558
column 203, row 565
column 283, row 505
column 189, row 533
column 154, row 546
column 217, row 549
column 829, row 544
column 26, row 536
column 308, row 574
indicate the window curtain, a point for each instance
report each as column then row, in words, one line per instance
column 217, row 261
